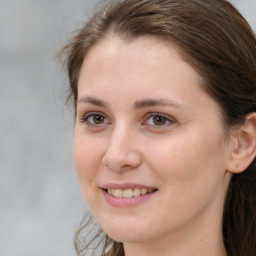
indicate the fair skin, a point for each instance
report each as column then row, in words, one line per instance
column 144, row 121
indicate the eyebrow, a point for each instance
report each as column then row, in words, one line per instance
column 137, row 105
column 93, row 101
column 156, row 102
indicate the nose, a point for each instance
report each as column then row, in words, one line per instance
column 122, row 152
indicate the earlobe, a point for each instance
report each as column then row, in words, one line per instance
column 244, row 151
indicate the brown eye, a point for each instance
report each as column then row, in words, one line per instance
column 94, row 119
column 98, row 119
column 159, row 120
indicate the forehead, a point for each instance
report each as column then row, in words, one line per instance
column 140, row 47
column 145, row 58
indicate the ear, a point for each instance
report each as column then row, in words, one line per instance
column 244, row 151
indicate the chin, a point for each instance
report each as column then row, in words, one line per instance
column 125, row 236
column 126, row 233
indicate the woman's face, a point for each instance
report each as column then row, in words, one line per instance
column 149, row 146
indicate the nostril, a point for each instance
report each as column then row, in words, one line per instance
column 125, row 166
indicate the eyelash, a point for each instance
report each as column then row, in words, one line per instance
column 167, row 120
column 85, row 119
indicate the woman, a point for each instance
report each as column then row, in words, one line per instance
column 165, row 143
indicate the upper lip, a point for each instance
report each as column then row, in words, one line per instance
column 126, row 186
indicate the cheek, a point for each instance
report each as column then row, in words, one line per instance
column 173, row 154
column 87, row 159
column 188, row 164
column 191, row 178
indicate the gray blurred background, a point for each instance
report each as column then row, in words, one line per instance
column 40, row 201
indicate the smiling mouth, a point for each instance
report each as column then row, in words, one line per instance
column 129, row 193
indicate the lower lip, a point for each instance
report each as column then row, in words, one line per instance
column 126, row 202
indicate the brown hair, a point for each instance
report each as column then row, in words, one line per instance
column 218, row 42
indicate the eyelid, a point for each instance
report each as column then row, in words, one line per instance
column 154, row 114
column 84, row 118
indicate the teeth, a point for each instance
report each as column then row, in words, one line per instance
column 143, row 191
column 118, row 193
column 128, row 193
column 136, row 192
